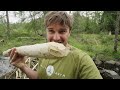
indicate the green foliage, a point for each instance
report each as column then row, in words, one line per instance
column 107, row 22
column 76, row 23
column 96, row 44
column 2, row 30
column 84, row 24
column 116, row 56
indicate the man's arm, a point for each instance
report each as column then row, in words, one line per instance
column 31, row 74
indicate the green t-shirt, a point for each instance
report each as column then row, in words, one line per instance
column 76, row 65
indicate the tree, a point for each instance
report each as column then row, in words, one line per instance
column 35, row 17
column 117, row 26
column 107, row 22
column 87, row 22
column 8, row 25
column 76, row 23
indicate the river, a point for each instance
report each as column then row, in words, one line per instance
column 5, row 66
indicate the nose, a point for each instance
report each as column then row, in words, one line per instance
column 56, row 37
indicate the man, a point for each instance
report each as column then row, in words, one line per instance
column 76, row 65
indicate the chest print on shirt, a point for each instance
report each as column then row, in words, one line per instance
column 50, row 70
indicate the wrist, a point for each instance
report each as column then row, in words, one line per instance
column 22, row 65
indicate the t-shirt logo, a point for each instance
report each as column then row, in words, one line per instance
column 50, row 70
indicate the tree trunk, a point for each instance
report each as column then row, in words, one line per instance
column 8, row 25
column 116, row 31
column 34, row 22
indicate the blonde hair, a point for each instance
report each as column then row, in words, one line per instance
column 60, row 17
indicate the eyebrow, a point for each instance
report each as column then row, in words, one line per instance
column 63, row 29
column 49, row 28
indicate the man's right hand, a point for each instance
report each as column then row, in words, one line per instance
column 19, row 61
column 16, row 59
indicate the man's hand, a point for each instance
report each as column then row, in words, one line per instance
column 16, row 59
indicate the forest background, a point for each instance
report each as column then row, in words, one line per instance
column 95, row 32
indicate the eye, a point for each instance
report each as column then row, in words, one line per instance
column 50, row 31
column 62, row 31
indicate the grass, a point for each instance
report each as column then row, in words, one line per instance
column 16, row 41
column 96, row 44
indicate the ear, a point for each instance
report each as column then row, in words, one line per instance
column 69, row 32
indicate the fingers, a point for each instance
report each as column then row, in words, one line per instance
column 11, row 53
column 14, row 57
column 17, row 60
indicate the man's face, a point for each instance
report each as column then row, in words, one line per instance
column 58, row 33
